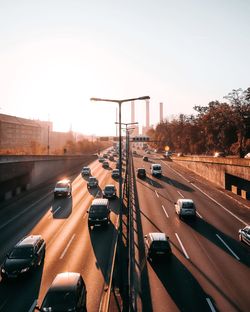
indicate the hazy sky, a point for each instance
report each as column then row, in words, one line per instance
column 56, row 54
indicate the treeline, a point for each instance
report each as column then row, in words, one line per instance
column 219, row 126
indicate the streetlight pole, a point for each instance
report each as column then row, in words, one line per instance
column 119, row 102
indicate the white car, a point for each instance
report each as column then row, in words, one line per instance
column 156, row 170
column 185, row 208
column 63, row 188
column 244, row 235
column 247, row 156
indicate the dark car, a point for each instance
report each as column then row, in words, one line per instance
column 157, row 246
column 141, row 173
column 99, row 212
column 109, row 191
column 244, row 235
column 92, row 182
column 66, row 293
column 27, row 254
column 145, row 158
column 105, row 164
column 115, row 173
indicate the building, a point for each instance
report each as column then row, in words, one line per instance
column 21, row 135
column 16, row 132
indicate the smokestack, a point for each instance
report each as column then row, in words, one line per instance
column 147, row 114
column 132, row 111
column 161, row 112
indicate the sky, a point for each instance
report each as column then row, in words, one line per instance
column 57, row 54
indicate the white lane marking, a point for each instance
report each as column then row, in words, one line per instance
column 234, row 254
column 165, row 211
column 231, row 213
column 33, row 306
column 199, row 214
column 210, row 305
column 67, row 247
column 183, row 249
column 180, row 194
column 22, row 212
column 54, row 212
column 156, row 194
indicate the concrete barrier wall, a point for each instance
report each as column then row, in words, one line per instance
column 216, row 170
column 18, row 173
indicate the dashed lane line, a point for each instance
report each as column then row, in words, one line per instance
column 165, row 211
column 67, row 247
column 233, row 253
column 210, row 305
column 182, row 247
column 199, row 214
column 215, row 201
column 156, row 194
column 180, row 194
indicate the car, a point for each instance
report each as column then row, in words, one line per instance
column 244, row 235
column 63, row 188
column 101, row 159
column 157, row 246
column 92, row 182
column 99, row 212
column 66, row 293
column 134, row 152
column 109, row 191
column 141, row 173
column 105, row 164
column 86, row 171
column 219, row 154
column 117, row 164
column 145, row 158
column 105, row 155
column 115, row 173
column 111, row 158
column 155, row 170
column 26, row 256
column 247, row 156
column 185, row 208
column 180, row 154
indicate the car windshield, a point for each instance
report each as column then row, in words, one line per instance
column 109, row 188
column 92, row 179
column 156, row 167
column 187, row 205
column 61, row 185
column 141, row 170
column 97, row 209
column 21, row 253
column 59, row 301
column 160, row 245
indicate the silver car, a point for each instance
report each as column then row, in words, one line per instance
column 244, row 235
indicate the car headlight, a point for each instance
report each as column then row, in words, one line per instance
column 24, row 270
column 3, row 270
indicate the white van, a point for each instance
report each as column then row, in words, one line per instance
column 185, row 208
column 156, row 170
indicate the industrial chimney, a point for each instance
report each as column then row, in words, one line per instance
column 161, row 112
column 147, row 114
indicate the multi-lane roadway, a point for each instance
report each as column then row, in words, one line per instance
column 209, row 269
column 70, row 245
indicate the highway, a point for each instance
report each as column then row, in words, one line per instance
column 70, row 246
column 209, row 268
